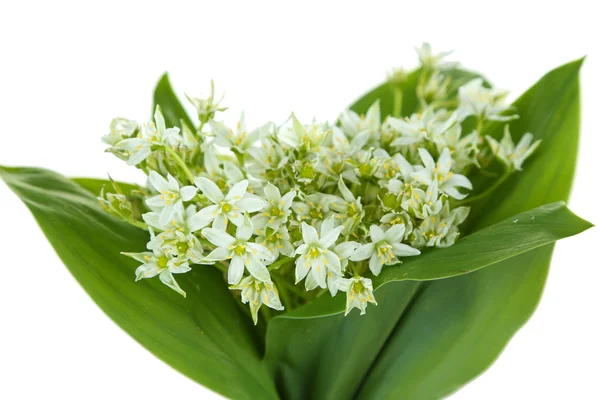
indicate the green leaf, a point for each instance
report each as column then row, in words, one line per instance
column 94, row 185
column 205, row 336
column 457, row 327
column 171, row 107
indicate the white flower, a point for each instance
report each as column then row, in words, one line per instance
column 227, row 208
column 170, row 198
column 141, row 146
column 314, row 208
column 162, row 264
column 315, row 256
column 177, row 235
column 120, row 128
column 277, row 241
column 307, row 137
column 464, row 149
column 511, row 155
column 257, row 293
column 421, row 126
column 385, row 248
column 359, row 292
column 399, row 218
column 440, row 171
column 435, row 89
column 433, row 61
column 484, row 103
column 424, row 203
column 393, row 168
column 207, row 108
column 350, row 208
column 242, row 253
column 354, row 124
column 440, row 230
column 276, row 210
column 240, row 140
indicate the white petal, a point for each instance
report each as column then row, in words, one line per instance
column 250, row 203
column 404, row 250
column 257, row 269
column 302, row 268
column 377, row 234
column 375, row 265
column 236, row 270
column 158, row 182
column 330, row 237
column 202, row 218
column 395, row 233
column 309, row 234
column 237, row 191
column 288, row 198
column 244, row 230
column 167, row 278
column 345, row 250
column 209, row 189
column 363, row 252
column 188, row 192
column 428, row 161
column 272, row 193
column 218, row 237
column 333, row 262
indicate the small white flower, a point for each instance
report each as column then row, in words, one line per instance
column 162, row 264
column 170, row 198
column 293, row 134
column 440, row 230
column 399, row 218
column 240, row 140
column 433, row 61
column 423, row 203
column 506, row 151
column 277, row 241
column 315, row 256
column 448, row 182
column 207, row 108
column 354, row 124
column 227, row 208
column 385, row 248
column 393, row 168
column 464, row 149
column 276, row 210
column 141, row 146
column 484, row 103
column 359, row 292
column 242, row 253
column 349, row 209
column 427, row 125
column 177, row 235
column 435, row 89
column 314, row 208
column 257, row 293
column 120, row 128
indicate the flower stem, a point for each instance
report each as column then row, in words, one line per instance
column 397, row 111
column 181, row 163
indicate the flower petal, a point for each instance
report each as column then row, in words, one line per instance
column 209, row 189
column 218, row 237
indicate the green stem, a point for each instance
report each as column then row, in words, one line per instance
column 397, row 111
column 138, row 224
column 488, row 191
column 295, row 289
column 181, row 163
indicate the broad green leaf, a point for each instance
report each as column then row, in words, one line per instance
column 205, row 336
column 457, row 327
column 171, row 107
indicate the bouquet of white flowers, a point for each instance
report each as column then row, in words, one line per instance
column 423, row 181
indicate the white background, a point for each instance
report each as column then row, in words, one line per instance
column 67, row 68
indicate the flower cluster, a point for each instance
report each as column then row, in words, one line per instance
column 329, row 205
